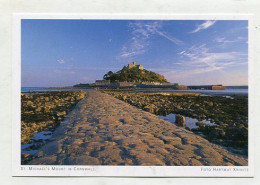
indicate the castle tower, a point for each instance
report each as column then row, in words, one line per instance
column 139, row 66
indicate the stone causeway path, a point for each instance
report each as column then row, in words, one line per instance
column 103, row 130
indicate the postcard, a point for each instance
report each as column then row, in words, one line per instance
column 132, row 95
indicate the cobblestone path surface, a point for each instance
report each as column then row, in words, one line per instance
column 103, row 130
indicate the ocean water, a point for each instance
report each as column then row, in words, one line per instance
column 27, row 89
column 31, row 89
column 230, row 90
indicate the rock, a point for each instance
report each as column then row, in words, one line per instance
column 180, row 120
column 61, row 113
column 188, row 128
column 200, row 124
column 29, row 103
column 38, row 109
column 24, row 96
column 216, row 133
column 194, row 115
column 26, row 155
column 150, row 108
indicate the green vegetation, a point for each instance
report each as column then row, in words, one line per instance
column 134, row 75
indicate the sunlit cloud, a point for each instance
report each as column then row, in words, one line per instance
column 203, row 26
column 201, row 56
column 200, row 60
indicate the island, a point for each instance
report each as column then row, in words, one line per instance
column 135, row 76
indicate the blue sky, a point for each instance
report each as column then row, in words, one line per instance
column 68, row 52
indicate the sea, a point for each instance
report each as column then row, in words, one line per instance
column 229, row 91
column 32, row 89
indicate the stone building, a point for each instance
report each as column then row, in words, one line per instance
column 151, row 83
column 139, row 66
column 126, row 84
column 102, row 82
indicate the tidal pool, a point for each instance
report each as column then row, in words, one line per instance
column 38, row 138
column 190, row 122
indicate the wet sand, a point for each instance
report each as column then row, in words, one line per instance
column 102, row 130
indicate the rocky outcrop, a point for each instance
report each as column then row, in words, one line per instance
column 103, row 130
column 43, row 111
column 180, row 120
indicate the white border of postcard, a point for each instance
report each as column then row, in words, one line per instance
column 136, row 171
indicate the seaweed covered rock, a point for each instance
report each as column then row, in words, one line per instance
column 200, row 124
column 216, row 133
column 43, row 111
column 150, row 108
column 180, row 120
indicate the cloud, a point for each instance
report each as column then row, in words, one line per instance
column 170, row 38
column 128, row 54
column 224, row 40
column 203, row 26
column 198, row 64
column 182, row 52
column 202, row 60
column 140, row 34
column 60, row 61
column 207, row 77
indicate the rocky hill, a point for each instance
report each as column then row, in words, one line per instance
column 134, row 74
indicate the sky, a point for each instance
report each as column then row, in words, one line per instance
column 189, row 52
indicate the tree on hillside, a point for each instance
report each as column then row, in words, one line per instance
column 108, row 75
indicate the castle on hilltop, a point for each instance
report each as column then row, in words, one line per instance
column 133, row 65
